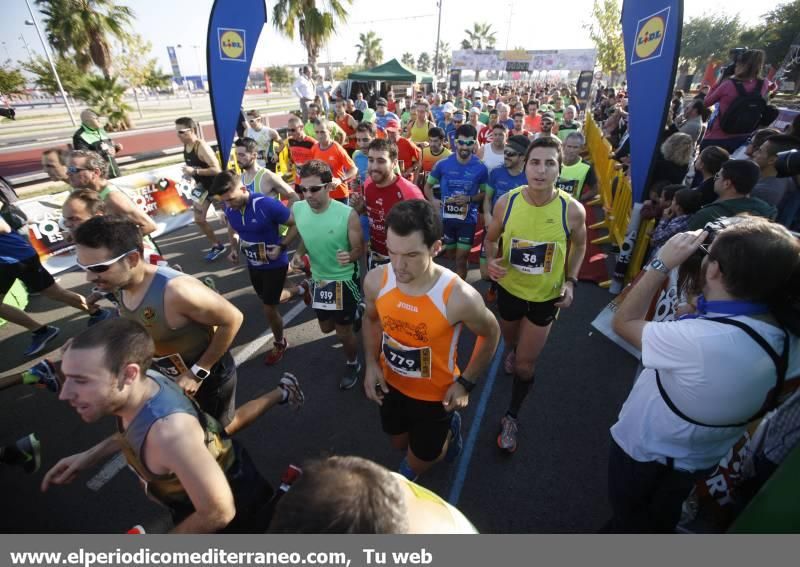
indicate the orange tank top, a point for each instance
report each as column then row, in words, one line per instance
column 418, row 348
column 349, row 132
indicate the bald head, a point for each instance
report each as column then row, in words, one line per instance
column 90, row 118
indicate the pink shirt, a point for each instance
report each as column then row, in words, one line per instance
column 725, row 93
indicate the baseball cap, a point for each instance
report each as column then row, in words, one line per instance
column 475, row 110
column 459, row 115
column 449, row 107
column 549, row 115
column 518, row 143
column 382, row 101
column 392, row 125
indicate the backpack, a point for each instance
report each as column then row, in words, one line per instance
column 744, row 114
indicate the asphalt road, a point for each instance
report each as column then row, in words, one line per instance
column 555, row 482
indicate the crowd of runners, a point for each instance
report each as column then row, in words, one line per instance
column 371, row 217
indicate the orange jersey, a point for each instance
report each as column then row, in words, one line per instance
column 418, row 349
column 429, row 160
column 337, row 159
column 349, row 132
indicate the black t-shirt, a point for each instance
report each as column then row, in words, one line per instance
column 706, row 189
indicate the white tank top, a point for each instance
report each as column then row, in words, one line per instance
column 491, row 159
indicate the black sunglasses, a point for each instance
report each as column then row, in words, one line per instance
column 73, row 169
column 312, row 189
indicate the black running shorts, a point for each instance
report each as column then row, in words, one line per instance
column 427, row 423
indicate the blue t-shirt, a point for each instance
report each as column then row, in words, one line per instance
column 509, row 123
column 257, row 225
column 501, row 181
column 362, row 161
column 438, row 112
column 14, row 248
column 456, row 178
column 380, row 121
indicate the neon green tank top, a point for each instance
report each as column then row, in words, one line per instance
column 419, row 133
column 324, row 234
column 573, row 177
column 535, row 246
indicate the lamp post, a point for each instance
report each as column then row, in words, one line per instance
column 186, row 82
column 438, row 32
column 32, row 22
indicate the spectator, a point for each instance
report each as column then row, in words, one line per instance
column 321, row 91
column 685, row 202
column 733, row 184
column 704, row 378
column 747, row 75
column 771, row 188
column 676, row 155
column 706, row 166
column 692, row 120
column 92, row 136
column 746, row 150
column 305, row 90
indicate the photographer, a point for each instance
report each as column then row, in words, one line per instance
column 738, row 112
column 707, row 375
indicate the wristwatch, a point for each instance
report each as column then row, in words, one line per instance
column 573, row 281
column 657, row 265
column 200, row 372
column 468, row 386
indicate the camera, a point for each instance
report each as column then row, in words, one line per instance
column 8, row 113
column 735, row 54
column 788, row 163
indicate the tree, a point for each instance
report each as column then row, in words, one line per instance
column 11, row 80
column 424, row 62
column 342, row 72
column 84, row 28
column 708, row 37
column 106, row 97
column 775, row 35
column 445, row 59
column 314, row 26
column 606, row 33
column 408, row 60
column 481, row 36
column 134, row 64
column 369, row 49
column 157, row 80
column 43, row 76
column 279, row 75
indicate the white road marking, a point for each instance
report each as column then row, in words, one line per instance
column 111, row 468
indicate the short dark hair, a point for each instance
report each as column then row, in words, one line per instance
column 414, row 215
column 668, row 192
column 316, row 168
column 546, row 142
column 467, row 131
column 343, row 495
column 186, row 122
column 119, row 235
column 761, row 136
column 742, row 173
column 90, row 198
column 500, row 126
column 436, row 132
column 518, row 115
column 249, row 144
column 688, row 200
column 123, row 342
column 713, row 157
column 534, row 101
column 782, row 143
column 224, row 182
column 366, row 127
column 384, row 145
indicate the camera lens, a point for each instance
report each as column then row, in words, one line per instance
column 788, row 163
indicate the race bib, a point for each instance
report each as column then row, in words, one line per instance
column 327, row 296
column 407, row 361
column 255, row 252
column 199, row 195
column 532, row 257
column 171, row 365
column 568, row 185
column 451, row 210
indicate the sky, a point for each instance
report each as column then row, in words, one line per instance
column 517, row 23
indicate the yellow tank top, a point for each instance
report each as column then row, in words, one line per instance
column 418, row 349
column 535, row 246
column 419, row 133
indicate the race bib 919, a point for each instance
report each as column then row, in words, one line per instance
column 407, row 361
column 532, row 257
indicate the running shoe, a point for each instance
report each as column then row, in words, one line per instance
column 350, row 377
column 275, row 355
column 216, row 251
column 456, row 440
column 509, row 361
column 294, row 394
column 307, row 286
column 31, row 452
column 306, row 265
column 99, row 315
column 360, row 308
column 40, row 339
column 42, row 375
column 210, row 283
column 507, row 440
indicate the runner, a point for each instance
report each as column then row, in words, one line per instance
column 314, row 114
column 537, row 222
column 337, row 159
column 431, row 154
column 568, row 124
column 192, row 326
column 333, row 239
column 548, row 125
column 491, row 154
column 382, row 115
column 577, row 177
column 267, row 139
column 202, row 166
column 486, row 135
column 300, row 146
column 257, row 179
column 462, row 177
column 181, row 455
column 26, row 453
column 54, row 164
column 417, row 129
column 348, row 125
column 414, row 316
column 408, row 154
column 382, row 190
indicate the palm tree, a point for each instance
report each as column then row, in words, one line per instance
column 408, row 60
column 424, row 62
column 106, row 97
column 480, row 37
column 445, row 59
column 85, row 28
column 370, row 49
column 314, row 24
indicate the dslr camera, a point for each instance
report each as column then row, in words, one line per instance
column 735, row 54
column 788, row 164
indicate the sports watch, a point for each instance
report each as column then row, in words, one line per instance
column 657, row 265
column 200, row 372
column 468, row 386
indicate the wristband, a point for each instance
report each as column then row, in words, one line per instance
column 573, row 281
column 466, row 384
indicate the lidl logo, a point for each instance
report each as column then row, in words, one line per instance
column 231, row 44
column 650, row 34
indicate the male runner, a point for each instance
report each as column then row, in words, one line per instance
column 181, row 455
column 333, row 239
column 268, row 141
column 462, row 177
column 340, row 163
column 191, row 325
column 414, row 315
column 434, row 151
column 492, row 154
column 408, row 154
column 382, row 190
column 258, row 179
column 202, row 166
column 300, row 146
column 537, row 222
column 577, row 177
column 54, row 164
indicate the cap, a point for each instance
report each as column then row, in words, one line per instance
column 518, row 143
column 549, row 115
column 474, row 110
column 382, row 101
column 459, row 115
column 491, row 102
column 449, row 107
column 477, row 94
column 392, row 125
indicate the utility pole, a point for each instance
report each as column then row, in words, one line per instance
column 438, row 32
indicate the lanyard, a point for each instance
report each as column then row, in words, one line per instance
column 731, row 308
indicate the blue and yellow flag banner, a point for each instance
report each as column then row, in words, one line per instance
column 233, row 31
column 651, row 30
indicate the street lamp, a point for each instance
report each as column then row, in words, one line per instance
column 185, row 81
column 32, row 22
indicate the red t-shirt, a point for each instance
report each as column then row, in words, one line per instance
column 407, row 153
column 379, row 201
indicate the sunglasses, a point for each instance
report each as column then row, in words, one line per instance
column 312, row 189
column 510, row 154
column 467, row 143
column 294, row 129
column 184, row 130
column 101, row 267
column 73, row 169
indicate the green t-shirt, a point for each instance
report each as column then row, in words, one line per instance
column 731, row 208
column 484, row 118
column 324, row 234
column 332, row 127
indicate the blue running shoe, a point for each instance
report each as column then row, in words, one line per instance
column 99, row 315
column 456, row 440
column 40, row 339
column 31, row 453
column 215, row 252
column 43, row 375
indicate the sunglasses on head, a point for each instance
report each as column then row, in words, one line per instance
column 312, row 189
column 465, row 142
column 101, row 267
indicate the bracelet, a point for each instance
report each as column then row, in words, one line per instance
column 573, row 281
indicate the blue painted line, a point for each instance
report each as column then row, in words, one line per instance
column 466, row 455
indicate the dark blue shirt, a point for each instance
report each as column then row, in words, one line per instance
column 257, row 225
column 501, row 181
column 14, row 248
column 456, row 178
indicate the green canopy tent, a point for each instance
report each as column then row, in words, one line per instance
column 393, row 72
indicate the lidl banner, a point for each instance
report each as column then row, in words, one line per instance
column 233, row 31
column 162, row 193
